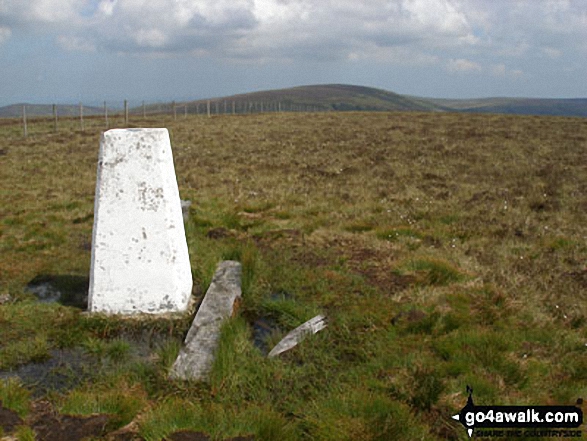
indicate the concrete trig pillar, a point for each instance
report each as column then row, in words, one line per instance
column 140, row 261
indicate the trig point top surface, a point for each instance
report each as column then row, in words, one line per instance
column 140, row 261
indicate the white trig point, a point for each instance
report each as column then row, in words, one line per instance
column 140, row 261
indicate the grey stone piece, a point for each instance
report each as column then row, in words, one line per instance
column 185, row 209
column 197, row 355
column 312, row 326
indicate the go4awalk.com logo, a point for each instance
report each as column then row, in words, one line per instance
column 520, row 421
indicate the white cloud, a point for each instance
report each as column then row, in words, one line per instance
column 39, row 12
column 462, row 65
column 498, row 70
column 398, row 31
column 396, row 54
column 5, row 34
column 106, row 7
column 286, row 29
column 552, row 52
column 528, row 27
column 154, row 38
column 501, row 70
column 75, row 44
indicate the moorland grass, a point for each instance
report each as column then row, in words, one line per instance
column 15, row 396
column 445, row 249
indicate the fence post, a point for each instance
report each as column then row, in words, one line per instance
column 233, row 108
column 24, row 126
column 125, row 112
column 105, row 114
column 185, row 115
column 279, row 106
column 216, row 107
column 81, row 115
column 54, row 118
column 174, row 110
column 208, row 107
column 144, row 111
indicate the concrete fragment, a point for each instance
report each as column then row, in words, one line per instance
column 312, row 326
column 197, row 355
column 185, row 209
column 140, row 261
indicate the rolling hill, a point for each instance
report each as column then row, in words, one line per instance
column 517, row 106
column 337, row 97
column 340, row 97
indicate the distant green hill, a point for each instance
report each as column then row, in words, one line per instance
column 343, row 97
column 338, row 97
column 329, row 97
column 517, row 106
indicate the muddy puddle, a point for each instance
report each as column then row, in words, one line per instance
column 264, row 327
column 67, row 369
column 68, row 290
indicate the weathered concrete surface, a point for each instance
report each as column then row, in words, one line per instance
column 312, row 326
column 140, row 261
column 196, row 357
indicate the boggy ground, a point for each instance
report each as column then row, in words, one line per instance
column 45, row 423
column 446, row 250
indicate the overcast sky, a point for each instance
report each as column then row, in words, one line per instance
column 94, row 50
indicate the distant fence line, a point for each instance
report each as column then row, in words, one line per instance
column 144, row 111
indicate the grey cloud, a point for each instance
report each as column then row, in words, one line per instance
column 309, row 29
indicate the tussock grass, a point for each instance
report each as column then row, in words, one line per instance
column 24, row 433
column 445, row 250
column 122, row 402
column 15, row 396
column 435, row 272
column 171, row 416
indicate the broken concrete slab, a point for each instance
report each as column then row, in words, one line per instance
column 196, row 357
column 312, row 326
column 140, row 261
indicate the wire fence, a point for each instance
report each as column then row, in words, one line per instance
column 37, row 119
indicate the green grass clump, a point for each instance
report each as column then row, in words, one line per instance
column 288, row 313
column 171, row 416
column 116, row 350
column 167, row 353
column 429, row 386
column 234, row 375
column 435, row 272
column 360, row 226
column 15, row 396
column 27, row 350
column 25, row 433
column 123, row 403
column 353, row 414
